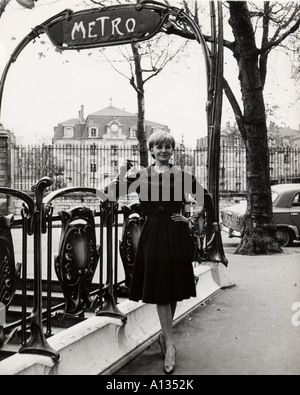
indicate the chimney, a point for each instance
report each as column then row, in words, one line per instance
column 81, row 114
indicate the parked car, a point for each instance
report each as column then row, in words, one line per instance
column 286, row 214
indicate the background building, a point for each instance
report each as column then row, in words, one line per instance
column 284, row 144
column 91, row 149
column 88, row 152
column 278, row 137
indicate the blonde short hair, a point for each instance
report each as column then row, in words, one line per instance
column 160, row 138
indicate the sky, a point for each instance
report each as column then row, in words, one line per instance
column 44, row 87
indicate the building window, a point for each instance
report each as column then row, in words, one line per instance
column 237, row 142
column 133, row 134
column 93, row 132
column 68, row 131
column 93, row 167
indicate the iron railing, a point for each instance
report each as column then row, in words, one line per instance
column 79, row 254
column 95, row 166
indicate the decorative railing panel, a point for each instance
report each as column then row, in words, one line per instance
column 9, row 271
column 77, row 257
column 132, row 227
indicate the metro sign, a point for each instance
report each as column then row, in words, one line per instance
column 103, row 27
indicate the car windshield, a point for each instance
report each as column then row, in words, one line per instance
column 274, row 196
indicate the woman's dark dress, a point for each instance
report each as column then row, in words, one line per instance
column 163, row 270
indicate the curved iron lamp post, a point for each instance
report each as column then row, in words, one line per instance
column 214, row 115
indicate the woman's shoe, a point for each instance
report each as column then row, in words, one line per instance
column 162, row 344
column 170, row 369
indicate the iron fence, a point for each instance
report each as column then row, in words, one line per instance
column 86, row 264
column 95, row 166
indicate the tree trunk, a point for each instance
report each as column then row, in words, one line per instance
column 259, row 231
column 139, row 87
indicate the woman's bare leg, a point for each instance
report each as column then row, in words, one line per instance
column 173, row 308
column 166, row 313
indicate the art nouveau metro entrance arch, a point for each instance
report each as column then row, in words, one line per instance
column 127, row 24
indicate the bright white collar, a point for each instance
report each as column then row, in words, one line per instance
column 161, row 169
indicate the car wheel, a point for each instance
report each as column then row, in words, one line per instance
column 283, row 237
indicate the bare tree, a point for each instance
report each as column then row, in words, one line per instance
column 35, row 162
column 276, row 25
column 146, row 61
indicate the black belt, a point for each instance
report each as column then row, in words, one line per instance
column 160, row 210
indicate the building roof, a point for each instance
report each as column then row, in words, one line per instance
column 288, row 132
column 112, row 111
column 102, row 119
column 72, row 121
column 115, row 112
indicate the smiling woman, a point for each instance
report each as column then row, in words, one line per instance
column 163, row 272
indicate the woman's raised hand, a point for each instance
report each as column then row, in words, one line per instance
column 125, row 166
column 179, row 218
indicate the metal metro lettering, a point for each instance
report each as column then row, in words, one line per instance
column 109, row 26
column 103, row 27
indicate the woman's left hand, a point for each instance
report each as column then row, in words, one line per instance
column 179, row 218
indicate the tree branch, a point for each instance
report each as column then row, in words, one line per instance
column 265, row 36
column 275, row 42
column 236, row 109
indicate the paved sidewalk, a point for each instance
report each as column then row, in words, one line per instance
column 249, row 329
